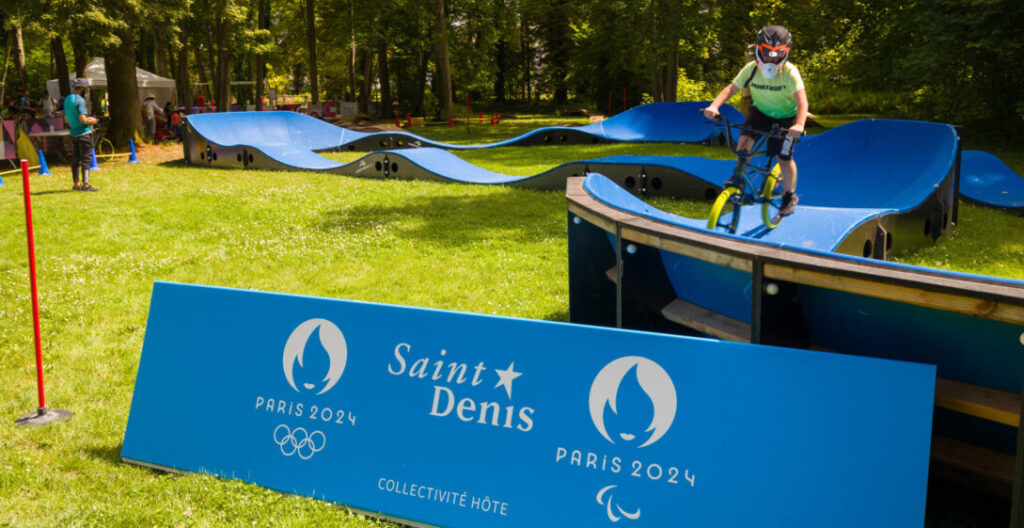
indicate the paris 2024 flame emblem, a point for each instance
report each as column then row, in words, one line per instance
column 652, row 380
column 331, row 341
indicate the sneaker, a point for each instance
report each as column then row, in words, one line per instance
column 77, row 187
column 789, row 201
column 88, row 188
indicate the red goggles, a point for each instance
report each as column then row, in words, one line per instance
column 773, row 51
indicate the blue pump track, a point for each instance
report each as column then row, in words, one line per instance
column 986, row 180
column 286, row 135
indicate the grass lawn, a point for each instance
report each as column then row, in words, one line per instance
column 470, row 248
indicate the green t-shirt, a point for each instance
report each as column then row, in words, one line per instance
column 774, row 97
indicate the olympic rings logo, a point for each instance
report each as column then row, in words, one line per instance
column 299, row 441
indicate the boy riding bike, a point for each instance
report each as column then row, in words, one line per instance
column 779, row 99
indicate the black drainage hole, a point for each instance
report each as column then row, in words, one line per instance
column 378, row 166
column 394, row 167
column 630, row 182
column 656, row 183
column 868, row 247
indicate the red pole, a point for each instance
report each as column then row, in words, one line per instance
column 32, row 275
column 451, row 122
column 481, row 117
column 408, row 119
column 397, row 122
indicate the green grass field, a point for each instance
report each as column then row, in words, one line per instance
column 470, row 248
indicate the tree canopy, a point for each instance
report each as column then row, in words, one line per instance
column 948, row 60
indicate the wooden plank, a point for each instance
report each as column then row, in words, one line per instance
column 986, row 462
column 990, row 404
column 974, row 400
column 598, row 220
column 703, row 320
column 700, row 252
column 964, row 304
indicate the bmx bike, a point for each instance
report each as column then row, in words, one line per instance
column 752, row 182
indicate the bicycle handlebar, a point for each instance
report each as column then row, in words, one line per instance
column 776, row 131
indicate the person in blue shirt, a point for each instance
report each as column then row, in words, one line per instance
column 80, row 125
column 25, row 107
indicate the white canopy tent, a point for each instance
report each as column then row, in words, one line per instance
column 149, row 83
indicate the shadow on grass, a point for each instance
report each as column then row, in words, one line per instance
column 561, row 316
column 42, row 193
column 180, row 163
column 516, row 216
column 106, row 453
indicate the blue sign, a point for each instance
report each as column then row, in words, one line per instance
column 465, row 420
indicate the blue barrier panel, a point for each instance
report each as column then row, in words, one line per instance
column 467, row 420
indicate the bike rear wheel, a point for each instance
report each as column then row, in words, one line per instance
column 726, row 210
column 771, row 201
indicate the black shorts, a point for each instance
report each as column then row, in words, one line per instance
column 781, row 148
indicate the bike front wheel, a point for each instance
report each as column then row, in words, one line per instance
column 771, row 201
column 726, row 210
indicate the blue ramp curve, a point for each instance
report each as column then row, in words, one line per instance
column 985, row 179
column 261, row 131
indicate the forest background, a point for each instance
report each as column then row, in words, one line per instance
column 956, row 61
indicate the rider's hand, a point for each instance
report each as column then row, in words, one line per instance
column 710, row 113
column 796, row 130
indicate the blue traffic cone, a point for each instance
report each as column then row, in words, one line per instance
column 133, row 158
column 92, row 164
column 43, row 169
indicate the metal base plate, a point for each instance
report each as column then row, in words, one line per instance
column 43, row 416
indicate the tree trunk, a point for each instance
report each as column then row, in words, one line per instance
column 385, row 79
column 161, row 55
column 222, row 76
column 61, row 64
column 499, row 79
column 182, row 77
column 314, row 81
column 421, row 82
column 444, row 68
column 262, row 22
column 364, row 94
column 19, row 57
column 352, row 49
column 672, row 77
column 122, row 89
column 202, row 69
column 80, row 52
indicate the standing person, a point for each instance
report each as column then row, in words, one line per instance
column 150, row 109
column 80, row 125
column 48, row 105
column 779, row 99
column 25, row 106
